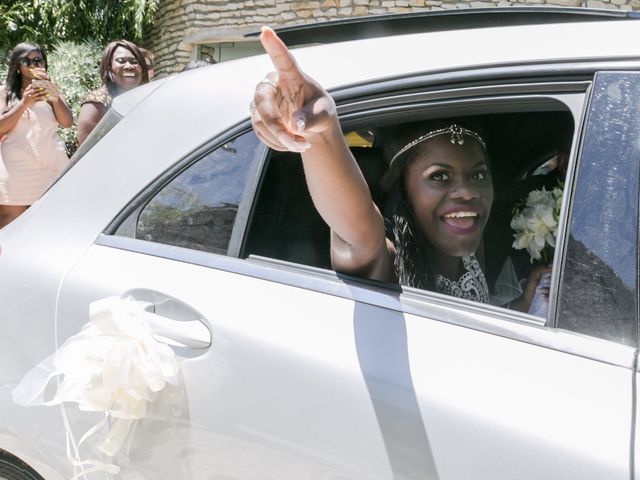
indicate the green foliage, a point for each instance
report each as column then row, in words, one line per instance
column 48, row 22
column 74, row 68
column 22, row 21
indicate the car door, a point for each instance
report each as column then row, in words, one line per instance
column 313, row 375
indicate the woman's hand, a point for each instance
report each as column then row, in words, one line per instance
column 32, row 95
column 53, row 91
column 39, row 74
column 292, row 112
column 523, row 303
column 289, row 110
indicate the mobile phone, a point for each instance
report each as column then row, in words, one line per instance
column 47, row 86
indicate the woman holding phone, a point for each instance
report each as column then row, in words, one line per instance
column 31, row 109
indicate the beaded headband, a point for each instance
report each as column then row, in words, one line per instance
column 457, row 136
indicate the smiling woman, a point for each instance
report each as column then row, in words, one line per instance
column 438, row 195
column 122, row 67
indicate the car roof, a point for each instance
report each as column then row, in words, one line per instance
column 365, row 61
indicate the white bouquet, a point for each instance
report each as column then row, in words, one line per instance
column 536, row 223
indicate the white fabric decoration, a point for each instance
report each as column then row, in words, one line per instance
column 114, row 365
column 507, row 287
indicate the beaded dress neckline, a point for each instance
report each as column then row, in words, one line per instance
column 472, row 285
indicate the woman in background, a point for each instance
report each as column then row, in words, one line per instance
column 122, row 67
column 31, row 110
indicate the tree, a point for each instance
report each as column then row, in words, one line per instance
column 74, row 67
column 48, row 22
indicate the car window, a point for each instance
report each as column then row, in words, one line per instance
column 600, row 277
column 528, row 152
column 197, row 208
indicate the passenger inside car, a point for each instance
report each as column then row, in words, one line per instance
column 438, row 190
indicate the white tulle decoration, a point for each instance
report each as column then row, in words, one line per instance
column 113, row 365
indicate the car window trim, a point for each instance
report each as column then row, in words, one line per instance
column 247, row 204
column 466, row 92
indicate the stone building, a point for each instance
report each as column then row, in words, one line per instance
column 185, row 30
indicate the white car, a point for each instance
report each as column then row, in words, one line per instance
column 288, row 370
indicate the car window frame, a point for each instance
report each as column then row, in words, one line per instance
column 125, row 223
column 574, row 97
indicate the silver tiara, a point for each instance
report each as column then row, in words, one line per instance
column 457, row 136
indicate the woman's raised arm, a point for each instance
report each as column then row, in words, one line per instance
column 292, row 112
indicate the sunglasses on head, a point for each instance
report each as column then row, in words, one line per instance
column 35, row 61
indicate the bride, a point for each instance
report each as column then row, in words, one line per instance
column 438, row 188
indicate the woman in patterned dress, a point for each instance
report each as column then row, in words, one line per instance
column 438, row 187
column 122, row 67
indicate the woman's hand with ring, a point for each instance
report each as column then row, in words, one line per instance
column 289, row 110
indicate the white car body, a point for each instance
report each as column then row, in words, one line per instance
column 309, row 375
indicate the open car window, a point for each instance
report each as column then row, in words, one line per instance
column 528, row 152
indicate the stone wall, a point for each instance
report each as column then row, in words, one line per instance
column 182, row 27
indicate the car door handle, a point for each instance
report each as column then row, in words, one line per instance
column 173, row 321
column 192, row 334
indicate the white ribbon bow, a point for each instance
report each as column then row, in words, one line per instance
column 114, row 365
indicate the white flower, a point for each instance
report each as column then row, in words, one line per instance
column 540, row 197
column 536, row 224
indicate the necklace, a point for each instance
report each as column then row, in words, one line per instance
column 471, row 285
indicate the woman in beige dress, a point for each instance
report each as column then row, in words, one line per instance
column 32, row 151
